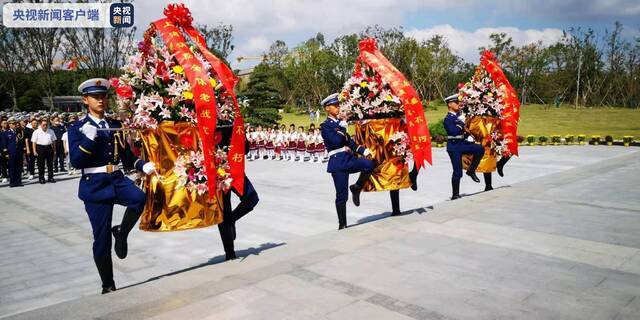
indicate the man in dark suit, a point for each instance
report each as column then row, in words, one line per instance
column 103, row 184
column 342, row 159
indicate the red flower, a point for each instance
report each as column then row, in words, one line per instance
column 124, row 92
column 161, row 68
column 186, row 140
column 179, row 14
column 371, row 95
column 114, row 82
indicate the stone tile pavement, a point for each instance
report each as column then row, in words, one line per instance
column 558, row 239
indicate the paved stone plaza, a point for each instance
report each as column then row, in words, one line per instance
column 558, row 238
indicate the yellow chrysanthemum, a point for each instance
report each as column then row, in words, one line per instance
column 187, row 95
column 178, row 69
column 214, row 83
column 221, row 172
column 364, row 84
column 389, row 98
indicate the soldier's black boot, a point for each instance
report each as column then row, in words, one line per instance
column 227, row 228
column 121, row 232
column 500, row 165
column 226, row 235
column 357, row 187
column 413, row 176
column 105, row 270
column 487, row 181
column 341, row 209
column 395, row 202
column 471, row 171
column 455, row 186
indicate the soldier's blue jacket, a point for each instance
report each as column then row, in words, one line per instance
column 87, row 153
column 336, row 137
column 453, row 125
column 11, row 144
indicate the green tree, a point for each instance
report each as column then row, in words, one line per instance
column 263, row 100
column 219, row 39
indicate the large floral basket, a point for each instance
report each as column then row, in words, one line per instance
column 492, row 110
column 388, row 116
column 170, row 207
column 178, row 92
column 377, row 135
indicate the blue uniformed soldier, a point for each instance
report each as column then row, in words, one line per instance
column 248, row 200
column 98, row 153
column 12, row 146
column 342, row 160
column 457, row 145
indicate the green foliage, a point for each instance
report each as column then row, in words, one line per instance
column 531, row 139
column 569, row 139
column 437, row 129
column 543, row 140
column 262, row 98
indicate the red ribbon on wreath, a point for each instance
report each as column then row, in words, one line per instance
column 511, row 104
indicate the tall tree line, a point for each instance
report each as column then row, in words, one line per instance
column 583, row 68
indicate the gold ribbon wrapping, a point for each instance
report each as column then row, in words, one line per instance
column 392, row 172
column 168, row 208
column 481, row 128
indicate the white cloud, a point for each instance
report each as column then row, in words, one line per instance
column 257, row 24
column 252, row 47
column 466, row 43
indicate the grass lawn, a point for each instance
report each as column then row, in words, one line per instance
column 541, row 120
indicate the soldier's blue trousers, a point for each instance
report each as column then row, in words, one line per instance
column 457, row 149
column 341, row 177
column 100, row 213
column 15, row 170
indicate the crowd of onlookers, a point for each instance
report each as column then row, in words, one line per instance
column 31, row 142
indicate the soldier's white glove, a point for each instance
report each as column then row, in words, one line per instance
column 366, row 153
column 462, row 118
column 149, row 168
column 343, row 124
column 471, row 139
column 89, row 131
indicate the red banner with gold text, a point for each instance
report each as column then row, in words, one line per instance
column 511, row 108
column 229, row 80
